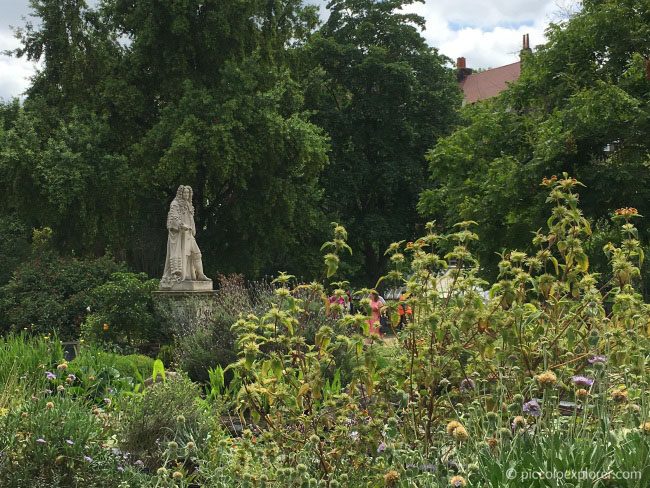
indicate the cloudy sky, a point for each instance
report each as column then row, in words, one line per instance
column 486, row 32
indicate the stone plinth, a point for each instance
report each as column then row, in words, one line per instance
column 188, row 286
column 185, row 310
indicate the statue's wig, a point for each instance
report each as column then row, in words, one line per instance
column 189, row 202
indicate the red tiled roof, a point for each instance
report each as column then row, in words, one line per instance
column 489, row 83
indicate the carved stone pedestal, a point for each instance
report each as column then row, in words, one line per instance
column 185, row 310
column 187, row 286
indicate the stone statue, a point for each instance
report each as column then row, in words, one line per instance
column 183, row 265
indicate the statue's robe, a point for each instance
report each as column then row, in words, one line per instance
column 180, row 244
column 183, row 260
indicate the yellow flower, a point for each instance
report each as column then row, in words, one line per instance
column 62, row 367
column 457, row 431
column 4, row 412
column 626, row 211
column 582, row 392
column 49, row 405
column 453, row 425
column 519, row 421
column 105, row 327
column 457, row 481
column 161, row 471
column 619, row 395
column 492, row 442
column 645, row 428
column 177, row 475
column 547, row 378
column 391, row 478
column 460, row 434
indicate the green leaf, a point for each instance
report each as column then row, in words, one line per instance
column 582, row 260
column 553, row 260
column 158, row 369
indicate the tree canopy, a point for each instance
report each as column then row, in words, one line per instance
column 134, row 99
column 279, row 125
column 581, row 105
column 384, row 96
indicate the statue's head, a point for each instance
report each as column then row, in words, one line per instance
column 180, row 191
column 187, row 193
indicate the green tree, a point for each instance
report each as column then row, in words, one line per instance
column 76, row 48
column 580, row 105
column 135, row 98
column 384, row 96
column 48, row 293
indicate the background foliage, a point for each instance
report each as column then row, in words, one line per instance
column 244, row 102
column 580, row 105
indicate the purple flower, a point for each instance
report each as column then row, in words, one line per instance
column 88, row 459
column 532, row 408
column 381, row 447
column 139, row 463
column 69, row 442
column 582, row 381
column 40, row 440
column 50, row 376
column 597, row 359
column 467, row 384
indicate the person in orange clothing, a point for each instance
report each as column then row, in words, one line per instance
column 376, row 303
column 404, row 310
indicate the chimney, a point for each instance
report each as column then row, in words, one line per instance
column 462, row 71
column 525, row 45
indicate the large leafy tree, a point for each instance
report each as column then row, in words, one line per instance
column 135, row 98
column 384, row 96
column 581, row 105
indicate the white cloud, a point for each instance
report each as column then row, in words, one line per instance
column 486, row 13
column 14, row 72
column 489, row 49
column 487, row 33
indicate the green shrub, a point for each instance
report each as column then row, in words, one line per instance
column 102, row 374
column 135, row 365
column 167, row 411
column 51, row 294
column 554, row 356
column 57, row 442
column 123, row 313
column 14, row 245
column 28, row 358
column 208, row 342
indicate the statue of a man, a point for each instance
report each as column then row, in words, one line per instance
column 183, row 261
